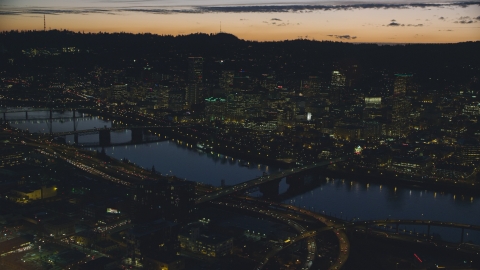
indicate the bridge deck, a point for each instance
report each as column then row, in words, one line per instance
column 264, row 179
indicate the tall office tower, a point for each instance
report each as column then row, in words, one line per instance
column 401, row 84
column 337, row 86
column 226, row 80
column 195, row 69
column 193, row 93
column 176, row 99
column 215, row 108
column 163, row 96
column 118, row 91
column 400, row 106
column 235, row 106
column 311, row 87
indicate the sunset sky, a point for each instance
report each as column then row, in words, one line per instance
column 352, row 21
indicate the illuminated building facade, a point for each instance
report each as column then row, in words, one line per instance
column 215, row 108
column 211, row 245
column 25, row 194
column 118, row 91
column 337, row 86
column 193, row 93
column 400, row 106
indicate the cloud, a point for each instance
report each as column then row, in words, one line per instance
column 393, row 23
column 134, row 6
column 477, row 18
column 442, row 18
column 275, row 19
column 342, row 36
column 464, row 21
column 464, row 18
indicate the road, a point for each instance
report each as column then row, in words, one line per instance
column 338, row 227
column 311, row 245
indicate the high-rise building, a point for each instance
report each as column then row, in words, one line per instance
column 401, row 84
column 337, row 86
column 118, row 91
column 176, row 99
column 226, row 80
column 311, row 87
column 468, row 151
column 195, row 69
column 400, row 106
column 163, row 96
column 193, row 93
column 235, row 105
column 215, row 108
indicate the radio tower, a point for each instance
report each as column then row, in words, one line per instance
column 44, row 24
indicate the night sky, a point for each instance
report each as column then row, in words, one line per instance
column 373, row 21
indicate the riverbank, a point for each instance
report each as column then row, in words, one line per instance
column 389, row 178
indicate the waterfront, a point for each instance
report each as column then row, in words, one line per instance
column 343, row 198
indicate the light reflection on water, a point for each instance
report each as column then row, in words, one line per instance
column 370, row 201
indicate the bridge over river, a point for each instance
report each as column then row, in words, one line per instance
column 263, row 180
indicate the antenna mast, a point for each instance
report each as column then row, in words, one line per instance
column 220, row 26
column 44, row 24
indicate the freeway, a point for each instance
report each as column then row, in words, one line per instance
column 33, row 109
column 96, row 130
column 262, row 180
column 311, row 245
column 119, row 173
column 339, row 226
column 416, row 222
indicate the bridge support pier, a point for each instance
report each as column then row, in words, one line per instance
column 51, row 114
column 50, row 124
column 26, row 115
column 270, row 189
column 75, row 138
column 137, row 135
column 295, row 181
column 104, row 137
column 461, row 238
column 5, row 116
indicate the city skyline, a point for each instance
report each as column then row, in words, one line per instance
column 362, row 22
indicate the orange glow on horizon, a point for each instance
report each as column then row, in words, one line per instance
column 365, row 25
